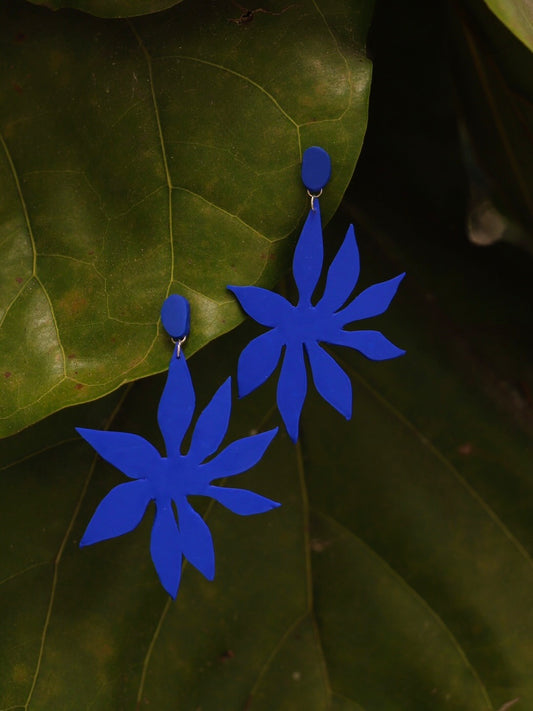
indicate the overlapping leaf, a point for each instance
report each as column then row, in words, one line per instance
column 150, row 156
column 517, row 15
column 110, row 8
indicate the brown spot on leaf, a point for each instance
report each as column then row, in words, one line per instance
column 73, row 302
column 71, row 356
column 79, row 386
column 21, row 674
column 17, row 88
column 465, row 449
column 21, row 37
column 77, row 305
column 7, row 374
column 19, row 280
column 318, row 546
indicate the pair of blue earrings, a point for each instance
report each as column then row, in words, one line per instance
column 293, row 331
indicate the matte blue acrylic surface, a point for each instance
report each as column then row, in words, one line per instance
column 171, row 479
column 176, row 316
column 312, row 322
column 316, row 169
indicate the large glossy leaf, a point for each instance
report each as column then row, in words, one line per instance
column 157, row 155
column 517, row 15
column 110, row 8
column 397, row 574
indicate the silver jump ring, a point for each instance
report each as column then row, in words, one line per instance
column 313, row 198
column 179, row 342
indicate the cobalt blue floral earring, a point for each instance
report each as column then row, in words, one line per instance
column 171, row 479
column 303, row 327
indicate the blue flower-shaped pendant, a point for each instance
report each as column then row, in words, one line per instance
column 302, row 328
column 170, row 480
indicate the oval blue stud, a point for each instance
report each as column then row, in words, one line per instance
column 316, row 169
column 176, row 316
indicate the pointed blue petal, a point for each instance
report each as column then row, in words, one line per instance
column 196, row 541
column 130, row 453
column 237, row 457
column 165, row 548
column 265, row 307
column 308, row 256
column 119, row 512
column 330, row 379
column 371, row 302
column 212, row 424
column 241, row 501
column 342, row 275
column 371, row 344
column 258, row 361
column 176, row 406
column 292, row 389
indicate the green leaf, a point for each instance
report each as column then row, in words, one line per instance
column 517, row 16
column 397, row 574
column 110, row 8
column 139, row 158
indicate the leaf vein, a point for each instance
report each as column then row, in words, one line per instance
column 275, row 650
column 444, row 460
column 26, row 458
column 31, row 236
column 14, row 300
column 226, row 212
column 416, row 595
column 23, row 205
column 341, row 54
column 347, row 698
column 309, row 573
column 56, row 325
column 237, row 74
column 148, row 59
column 19, row 573
column 59, row 556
